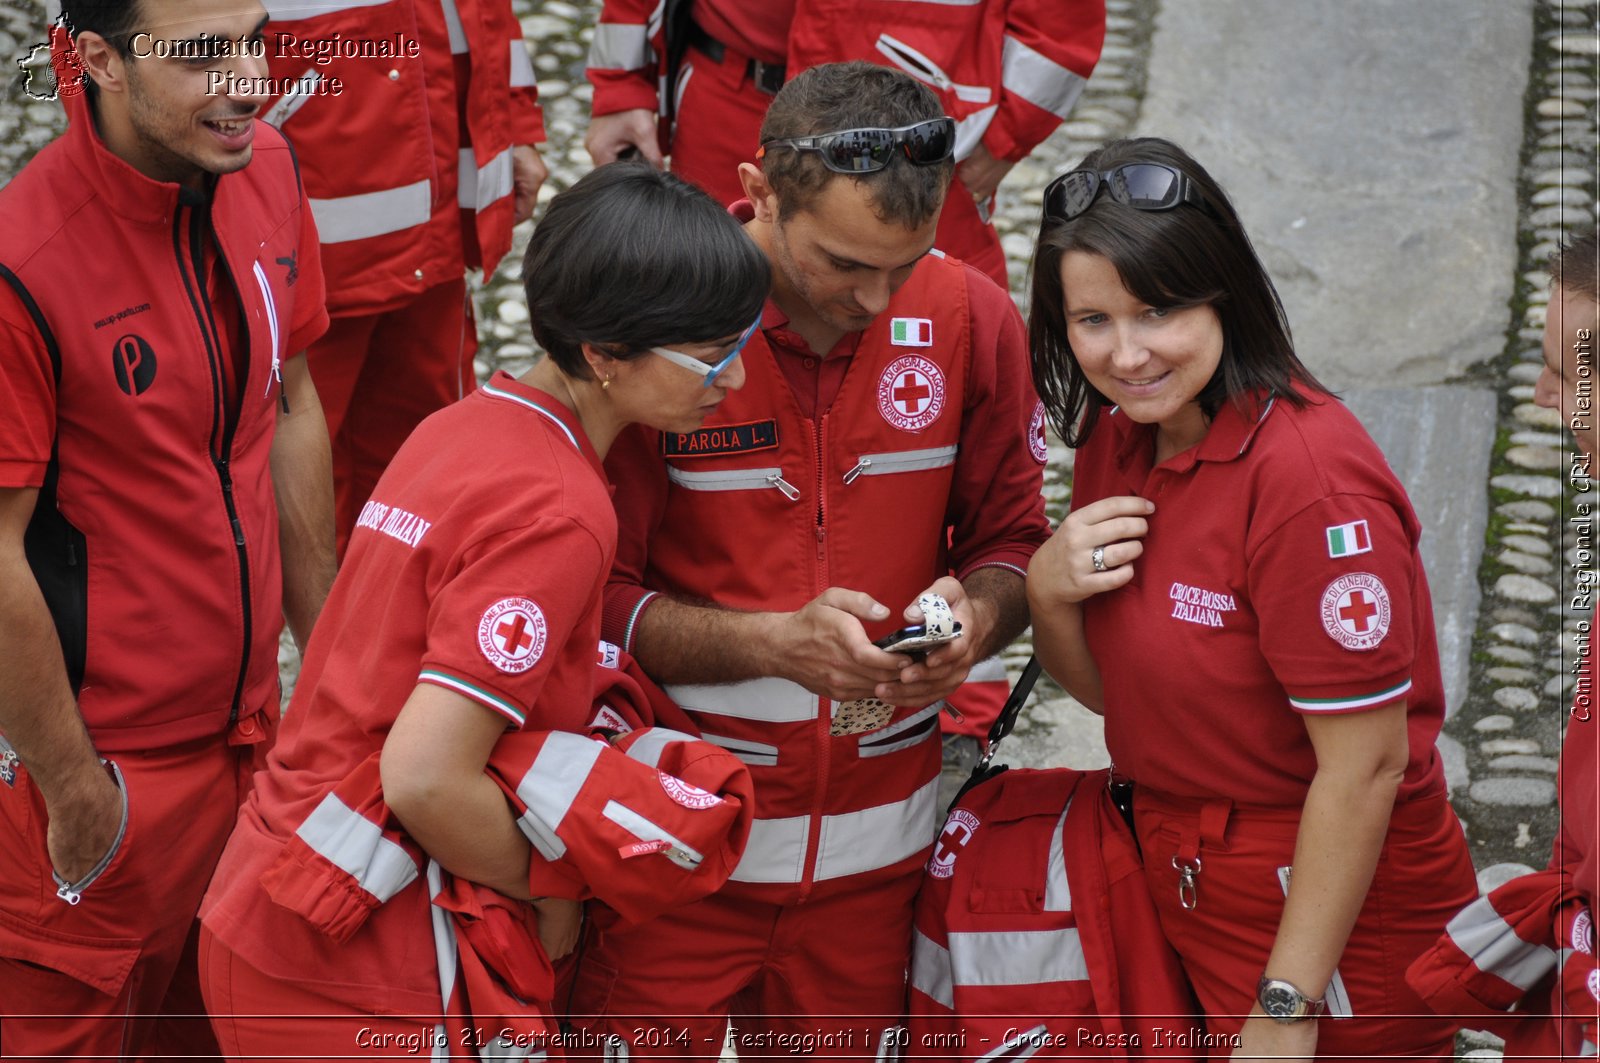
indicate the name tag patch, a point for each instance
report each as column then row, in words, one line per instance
column 745, row 438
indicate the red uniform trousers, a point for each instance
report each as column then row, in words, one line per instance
column 115, row 975
column 717, row 125
column 823, row 978
column 1424, row 876
column 263, row 1019
column 379, row 375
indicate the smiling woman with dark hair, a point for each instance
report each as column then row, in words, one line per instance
column 1238, row 591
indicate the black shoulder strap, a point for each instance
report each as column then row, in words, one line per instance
column 1003, row 725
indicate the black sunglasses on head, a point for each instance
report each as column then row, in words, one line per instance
column 1140, row 185
column 869, row 150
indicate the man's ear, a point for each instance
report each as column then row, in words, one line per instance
column 102, row 61
column 759, row 192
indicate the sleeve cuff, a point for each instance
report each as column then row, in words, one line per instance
column 1351, row 702
column 620, row 618
column 1012, row 562
column 308, row 333
column 476, row 692
column 22, row 473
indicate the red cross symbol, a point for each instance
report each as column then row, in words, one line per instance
column 912, row 391
column 513, row 634
column 1359, row 612
column 954, row 838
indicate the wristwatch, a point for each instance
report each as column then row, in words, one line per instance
column 1284, row 1003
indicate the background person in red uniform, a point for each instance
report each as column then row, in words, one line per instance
column 470, row 603
column 886, row 398
column 1238, row 590
column 1571, row 331
column 417, row 169
column 164, row 504
column 1009, row 71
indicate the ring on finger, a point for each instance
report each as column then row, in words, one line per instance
column 1097, row 557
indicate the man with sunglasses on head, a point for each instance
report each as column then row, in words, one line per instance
column 692, row 78
column 886, row 398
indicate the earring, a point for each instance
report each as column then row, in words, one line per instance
column 605, row 382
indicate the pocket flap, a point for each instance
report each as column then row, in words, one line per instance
column 99, row 963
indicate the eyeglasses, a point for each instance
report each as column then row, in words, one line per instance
column 709, row 370
column 869, row 150
column 1140, row 185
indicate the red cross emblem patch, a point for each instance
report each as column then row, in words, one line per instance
column 512, row 634
column 911, row 393
column 1037, row 443
column 958, row 831
column 1355, row 611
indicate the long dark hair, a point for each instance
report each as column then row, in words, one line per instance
column 1181, row 257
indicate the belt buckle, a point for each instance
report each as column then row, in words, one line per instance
column 767, row 77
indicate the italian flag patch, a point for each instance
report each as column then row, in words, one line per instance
column 1346, row 540
column 911, row 332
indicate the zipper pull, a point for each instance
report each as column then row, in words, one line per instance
column 8, row 767
column 955, row 713
column 277, row 375
column 64, row 892
column 861, row 466
column 790, row 491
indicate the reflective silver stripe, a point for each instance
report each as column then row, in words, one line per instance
column 372, row 213
column 445, row 957
column 1057, row 890
column 648, row 747
column 356, row 845
column 930, row 969
column 875, row 837
column 295, row 10
column 769, row 700
column 652, row 25
column 292, row 100
column 478, row 186
column 550, row 787
column 1017, row 957
column 679, row 852
column 1038, row 79
column 723, row 479
column 924, row 69
column 776, row 851
column 970, row 130
column 272, row 323
column 873, row 744
column 753, row 753
column 452, row 26
column 522, row 75
column 620, row 46
column 906, row 461
column 1588, row 1049
column 1494, row 946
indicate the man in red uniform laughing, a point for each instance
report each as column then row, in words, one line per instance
column 165, row 503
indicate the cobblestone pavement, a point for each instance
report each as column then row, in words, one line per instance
column 1537, row 555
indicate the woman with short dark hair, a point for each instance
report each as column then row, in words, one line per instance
column 469, row 604
column 1238, row 591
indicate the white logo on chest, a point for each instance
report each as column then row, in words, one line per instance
column 1196, row 605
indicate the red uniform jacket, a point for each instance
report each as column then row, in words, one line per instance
column 1035, row 934
column 408, row 166
column 1009, row 71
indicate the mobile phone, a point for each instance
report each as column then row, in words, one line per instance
column 916, row 640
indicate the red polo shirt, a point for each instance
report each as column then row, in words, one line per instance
column 1280, row 576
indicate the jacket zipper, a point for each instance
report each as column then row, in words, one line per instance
column 824, row 717
column 734, row 480
column 927, row 71
column 901, row 461
column 225, row 420
column 72, row 892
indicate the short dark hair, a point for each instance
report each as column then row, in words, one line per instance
column 631, row 258
column 855, row 95
column 1173, row 258
column 115, row 20
column 1575, row 266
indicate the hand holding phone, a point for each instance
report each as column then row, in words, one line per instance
column 938, row 627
